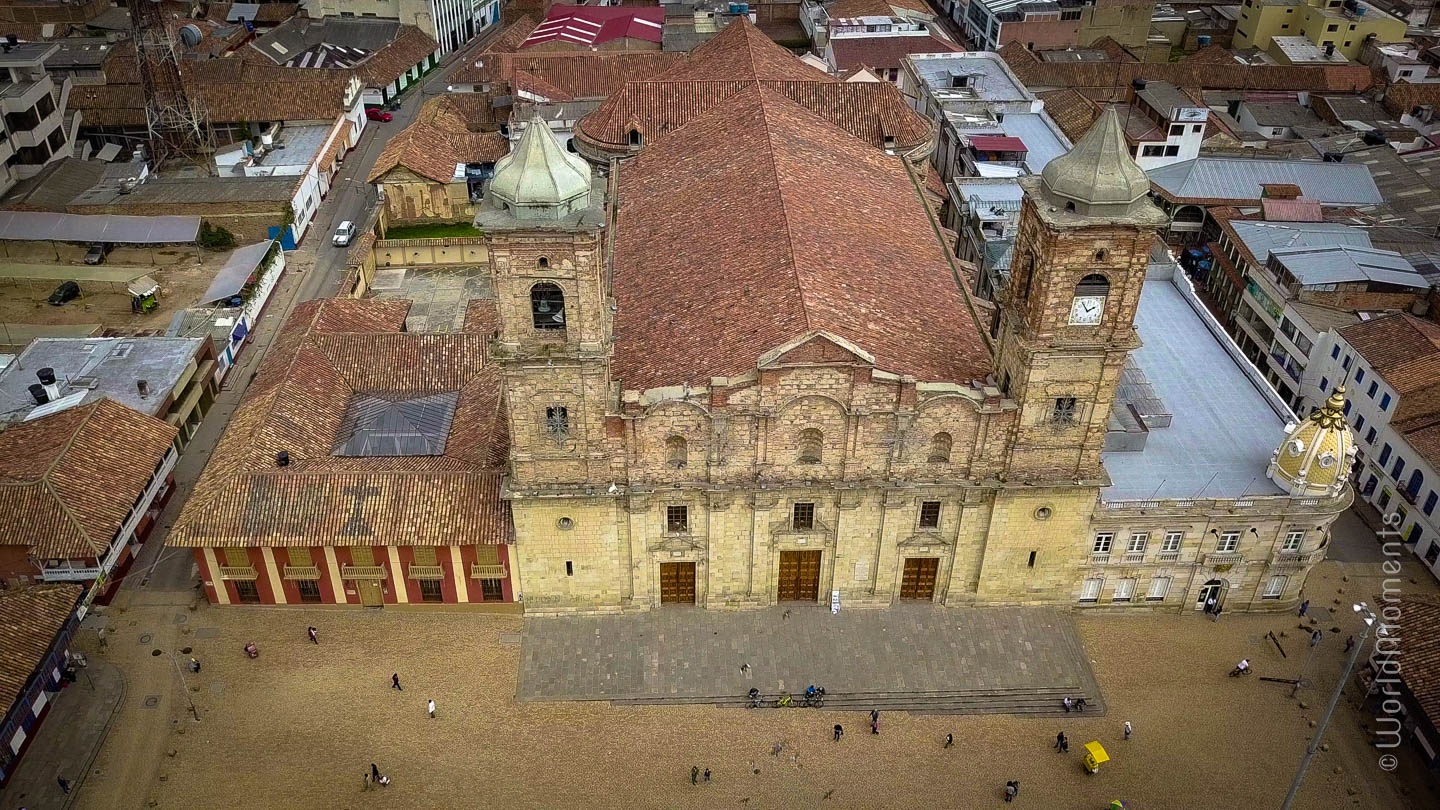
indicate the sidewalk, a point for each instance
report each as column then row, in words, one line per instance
column 67, row 740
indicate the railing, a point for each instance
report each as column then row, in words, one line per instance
column 478, row 571
column 1135, row 558
column 425, row 572
column 69, row 574
column 245, row 572
column 1167, row 556
column 1223, row 558
column 301, row 572
column 363, row 572
column 1099, row 559
column 1295, row 557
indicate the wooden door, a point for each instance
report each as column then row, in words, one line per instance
column 677, row 583
column 370, row 593
column 799, row 576
column 918, row 579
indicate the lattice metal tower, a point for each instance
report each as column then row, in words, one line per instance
column 177, row 126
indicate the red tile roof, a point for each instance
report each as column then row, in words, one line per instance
column 595, row 25
column 884, row 52
column 30, row 619
column 436, row 141
column 997, row 143
column 1423, row 434
column 1405, row 350
column 327, row 352
column 1417, row 622
column 724, row 253
column 741, row 51
column 588, row 74
column 68, row 480
column 1291, row 210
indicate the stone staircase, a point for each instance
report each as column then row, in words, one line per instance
column 1038, row 702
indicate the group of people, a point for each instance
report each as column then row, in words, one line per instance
column 375, row 779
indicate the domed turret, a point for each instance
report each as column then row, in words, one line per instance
column 1315, row 458
column 1098, row 177
column 540, row 180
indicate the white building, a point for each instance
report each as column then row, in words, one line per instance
column 1390, row 367
column 451, row 23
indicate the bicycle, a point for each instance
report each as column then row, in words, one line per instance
column 815, row 699
column 754, row 697
column 784, row 701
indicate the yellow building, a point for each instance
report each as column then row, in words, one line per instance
column 1345, row 24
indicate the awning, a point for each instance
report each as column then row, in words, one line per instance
column 232, row 277
column 35, row 226
column 997, row 143
column 143, row 285
column 998, row 170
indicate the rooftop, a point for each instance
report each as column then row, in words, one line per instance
column 1403, row 349
column 79, row 52
column 69, row 480
column 1300, row 50
column 1164, row 97
column 1204, row 383
column 884, row 51
column 1043, row 141
column 324, row 396
column 987, row 76
column 1337, row 264
column 1262, row 237
column 27, row 54
column 30, row 619
column 437, row 142
column 1281, row 114
column 192, row 191
column 101, row 367
column 830, row 236
column 588, row 26
column 1214, row 180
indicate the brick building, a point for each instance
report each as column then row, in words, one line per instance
column 361, row 468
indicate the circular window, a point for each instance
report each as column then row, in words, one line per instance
column 1043, row 513
column 565, row 523
column 1327, row 460
column 1295, row 447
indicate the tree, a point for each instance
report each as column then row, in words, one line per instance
column 214, row 237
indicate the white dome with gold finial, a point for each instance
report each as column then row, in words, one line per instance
column 1315, row 458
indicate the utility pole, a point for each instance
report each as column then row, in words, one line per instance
column 185, row 686
column 1314, row 746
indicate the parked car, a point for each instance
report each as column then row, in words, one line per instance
column 96, row 253
column 377, row 114
column 68, row 291
column 344, row 234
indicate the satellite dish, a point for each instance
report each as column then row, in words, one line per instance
column 190, row 35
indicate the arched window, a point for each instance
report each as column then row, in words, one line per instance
column 635, row 137
column 544, row 262
column 676, row 454
column 811, row 442
column 940, row 448
column 547, row 306
column 1100, row 255
column 1094, row 285
column 1070, row 205
column 1417, row 480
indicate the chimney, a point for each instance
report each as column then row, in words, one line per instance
column 143, row 386
column 47, row 381
column 282, row 458
column 38, row 392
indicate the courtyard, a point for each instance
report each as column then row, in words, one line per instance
column 300, row 725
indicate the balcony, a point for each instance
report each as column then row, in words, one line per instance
column 1099, row 559
column 363, row 572
column 1296, row 558
column 68, row 573
column 1224, row 558
column 1167, row 556
column 302, row 572
column 425, row 572
column 1284, row 363
column 238, row 572
column 478, row 571
column 1133, row 558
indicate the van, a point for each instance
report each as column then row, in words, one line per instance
column 344, row 234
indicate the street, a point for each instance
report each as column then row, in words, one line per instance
column 315, row 270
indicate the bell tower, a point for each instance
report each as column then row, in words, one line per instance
column 1068, row 314
column 544, row 232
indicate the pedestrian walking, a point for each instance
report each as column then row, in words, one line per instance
column 1315, row 637
column 694, row 774
column 374, row 772
column 874, row 721
column 366, row 786
column 395, row 681
column 1127, row 729
column 1304, row 608
column 949, row 740
column 64, row 785
column 839, row 732
column 314, row 636
column 1061, row 743
column 706, row 777
column 1210, row 605
column 430, row 705
column 1215, row 617
column 1349, row 642
column 1012, row 789
column 195, row 665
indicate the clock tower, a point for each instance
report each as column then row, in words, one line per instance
column 1067, row 317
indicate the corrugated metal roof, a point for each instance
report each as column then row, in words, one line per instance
column 1211, row 178
column 1263, row 237
column 1333, row 265
column 36, row 226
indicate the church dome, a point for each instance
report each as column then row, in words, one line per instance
column 540, row 180
column 1098, row 176
column 1315, row 458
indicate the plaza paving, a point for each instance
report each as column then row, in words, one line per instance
column 918, row 650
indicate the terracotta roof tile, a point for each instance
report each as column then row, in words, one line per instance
column 327, row 352
column 1037, row 74
column 829, row 234
column 1423, row 434
column 1072, row 111
column 68, row 480
column 884, row 52
column 404, row 51
column 436, row 141
column 589, row 74
column 30, row 619
column 1418, row 624
column 741, row 51
column 1211, row 55
column 1403, row 349
column 859, row 8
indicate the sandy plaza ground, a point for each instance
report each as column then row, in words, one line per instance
column 300, row 726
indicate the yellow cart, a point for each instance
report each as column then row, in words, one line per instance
column 1094, row 755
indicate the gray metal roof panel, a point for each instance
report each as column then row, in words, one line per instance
column 1241, row 178
column 1263, row 237
column 1339, row 264
column 1043, row 142
column 238, row 267
column 38, row 226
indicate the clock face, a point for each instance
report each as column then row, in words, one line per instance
column 1087, row 310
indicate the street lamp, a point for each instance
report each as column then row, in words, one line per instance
column 1369, row 618
column 185, row 686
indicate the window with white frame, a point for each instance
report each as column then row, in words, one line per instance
column 1090, row 591
column 1137, row 542
column 1159, row 587
column 1228, row 542
column 1102, row 543
column 1275, row 587
column 1124, row 590
column 1293, row 539
column 1171, row 541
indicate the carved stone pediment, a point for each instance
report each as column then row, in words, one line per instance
column 921, row 539
column 678, row 542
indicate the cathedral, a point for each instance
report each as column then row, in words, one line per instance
column 741, row 367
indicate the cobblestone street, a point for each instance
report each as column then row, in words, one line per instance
column 300, row 725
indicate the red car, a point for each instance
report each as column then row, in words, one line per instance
column 377, row 114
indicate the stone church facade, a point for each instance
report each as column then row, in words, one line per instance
column 668, row 447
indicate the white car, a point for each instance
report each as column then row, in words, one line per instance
column 344, row 234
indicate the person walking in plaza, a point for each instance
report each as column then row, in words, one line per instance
column 430, row 705
column 1210, row 605
column 1304, row 608
column 1127, row 729
column 694, row 774
column 366, row 786
column 949, row 740
column 64, row 785
column 706, row 777
column 374, row 774
column 874, row 721
column 395, row 681
column 839, row 732
column 1215, row 617
column 1349, row 642
column 314, row 635
column 1061, row 744
column 1315, row 637
column 1012, row 789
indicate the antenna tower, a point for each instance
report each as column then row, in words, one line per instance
column 176, row 126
